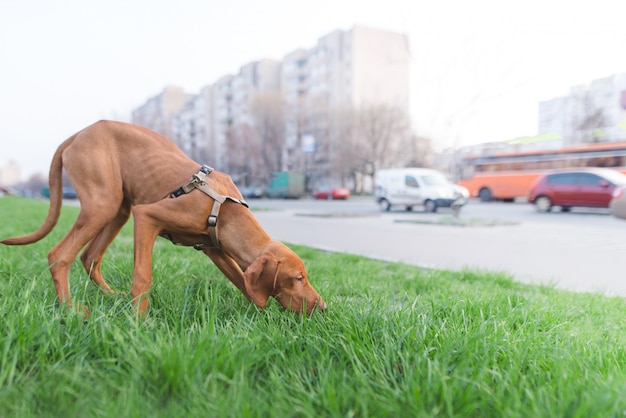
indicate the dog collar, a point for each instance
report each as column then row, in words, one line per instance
column 199, row 181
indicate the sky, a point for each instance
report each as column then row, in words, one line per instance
column 478, row 68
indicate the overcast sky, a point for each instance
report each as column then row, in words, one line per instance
column 478, row 68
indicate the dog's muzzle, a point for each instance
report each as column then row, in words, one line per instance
column 320, row 305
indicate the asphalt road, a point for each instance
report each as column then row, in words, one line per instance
column 584, row 250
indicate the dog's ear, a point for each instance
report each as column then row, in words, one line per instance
column 260, row 278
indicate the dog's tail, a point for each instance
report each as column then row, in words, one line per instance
column 55, row 181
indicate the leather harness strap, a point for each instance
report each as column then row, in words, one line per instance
column 199, row 181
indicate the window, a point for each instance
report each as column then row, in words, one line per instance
column 434, row 180
column 410, row 181
column 588, row 179
column 565, row 178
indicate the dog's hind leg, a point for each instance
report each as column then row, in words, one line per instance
column 91, row 220
column 92, row 256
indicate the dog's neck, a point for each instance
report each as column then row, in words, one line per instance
column 241, row 235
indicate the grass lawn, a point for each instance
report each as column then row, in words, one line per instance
column 396, row 341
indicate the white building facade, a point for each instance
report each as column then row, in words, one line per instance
column 157, row 112
column 344, row 70
column 10, row 174
column 192, row 126
column 233, row 102
column 590, row 113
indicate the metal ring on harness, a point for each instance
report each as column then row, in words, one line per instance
column 198, row 181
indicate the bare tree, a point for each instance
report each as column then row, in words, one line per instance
column 589, row 118
column 255, row 145
column 353, row 142
column 381, row 134
column 35, row 184
column 243, row 154
column 317, row 166
column 368, row 138
column 419, row 152
column 457, row 88
column 341, row 135
column 269, row 126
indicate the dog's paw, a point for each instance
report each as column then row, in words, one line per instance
column 77, row 308
column 82, row 309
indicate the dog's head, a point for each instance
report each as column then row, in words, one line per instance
column 280, row 273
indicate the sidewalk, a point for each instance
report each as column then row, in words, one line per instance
column 574, row 259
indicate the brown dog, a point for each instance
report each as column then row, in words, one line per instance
column 118, row 169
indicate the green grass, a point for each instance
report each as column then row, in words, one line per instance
column 396, row 341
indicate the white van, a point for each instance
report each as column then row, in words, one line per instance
column 411, row 187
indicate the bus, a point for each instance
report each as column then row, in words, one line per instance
column 508, row 176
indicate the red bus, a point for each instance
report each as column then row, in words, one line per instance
column 507, row 176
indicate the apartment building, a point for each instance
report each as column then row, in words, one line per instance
column 252, row 80
column 234, row 114
column 157, row 112
column 344, row 70
column 10, row 174
column 593, row 112
column 192, row 126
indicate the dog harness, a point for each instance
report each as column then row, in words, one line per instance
column 199, row 181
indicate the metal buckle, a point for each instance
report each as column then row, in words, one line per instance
column 212, row 221
column 178, row 192
column 196, row 180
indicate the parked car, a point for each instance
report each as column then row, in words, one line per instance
column 285, row 185
column 252, row 192
column 69, row 193
column 411, row 187
column 618, row 203
column 331, row 193
column 586, row 187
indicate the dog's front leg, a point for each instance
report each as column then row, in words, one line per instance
column 146, row 232
column 229, row 267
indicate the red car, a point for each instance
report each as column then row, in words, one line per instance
column 618, row 203
column 331, row 193
column 588, row 187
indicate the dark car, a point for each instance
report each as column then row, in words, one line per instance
column 252, row 192
column 587, row 187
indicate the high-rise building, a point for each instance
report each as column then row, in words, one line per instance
column 158, row 111
column 590, row 113
column 10, row 174
column 344, row 71
column 192, row 126
column 234, row 98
